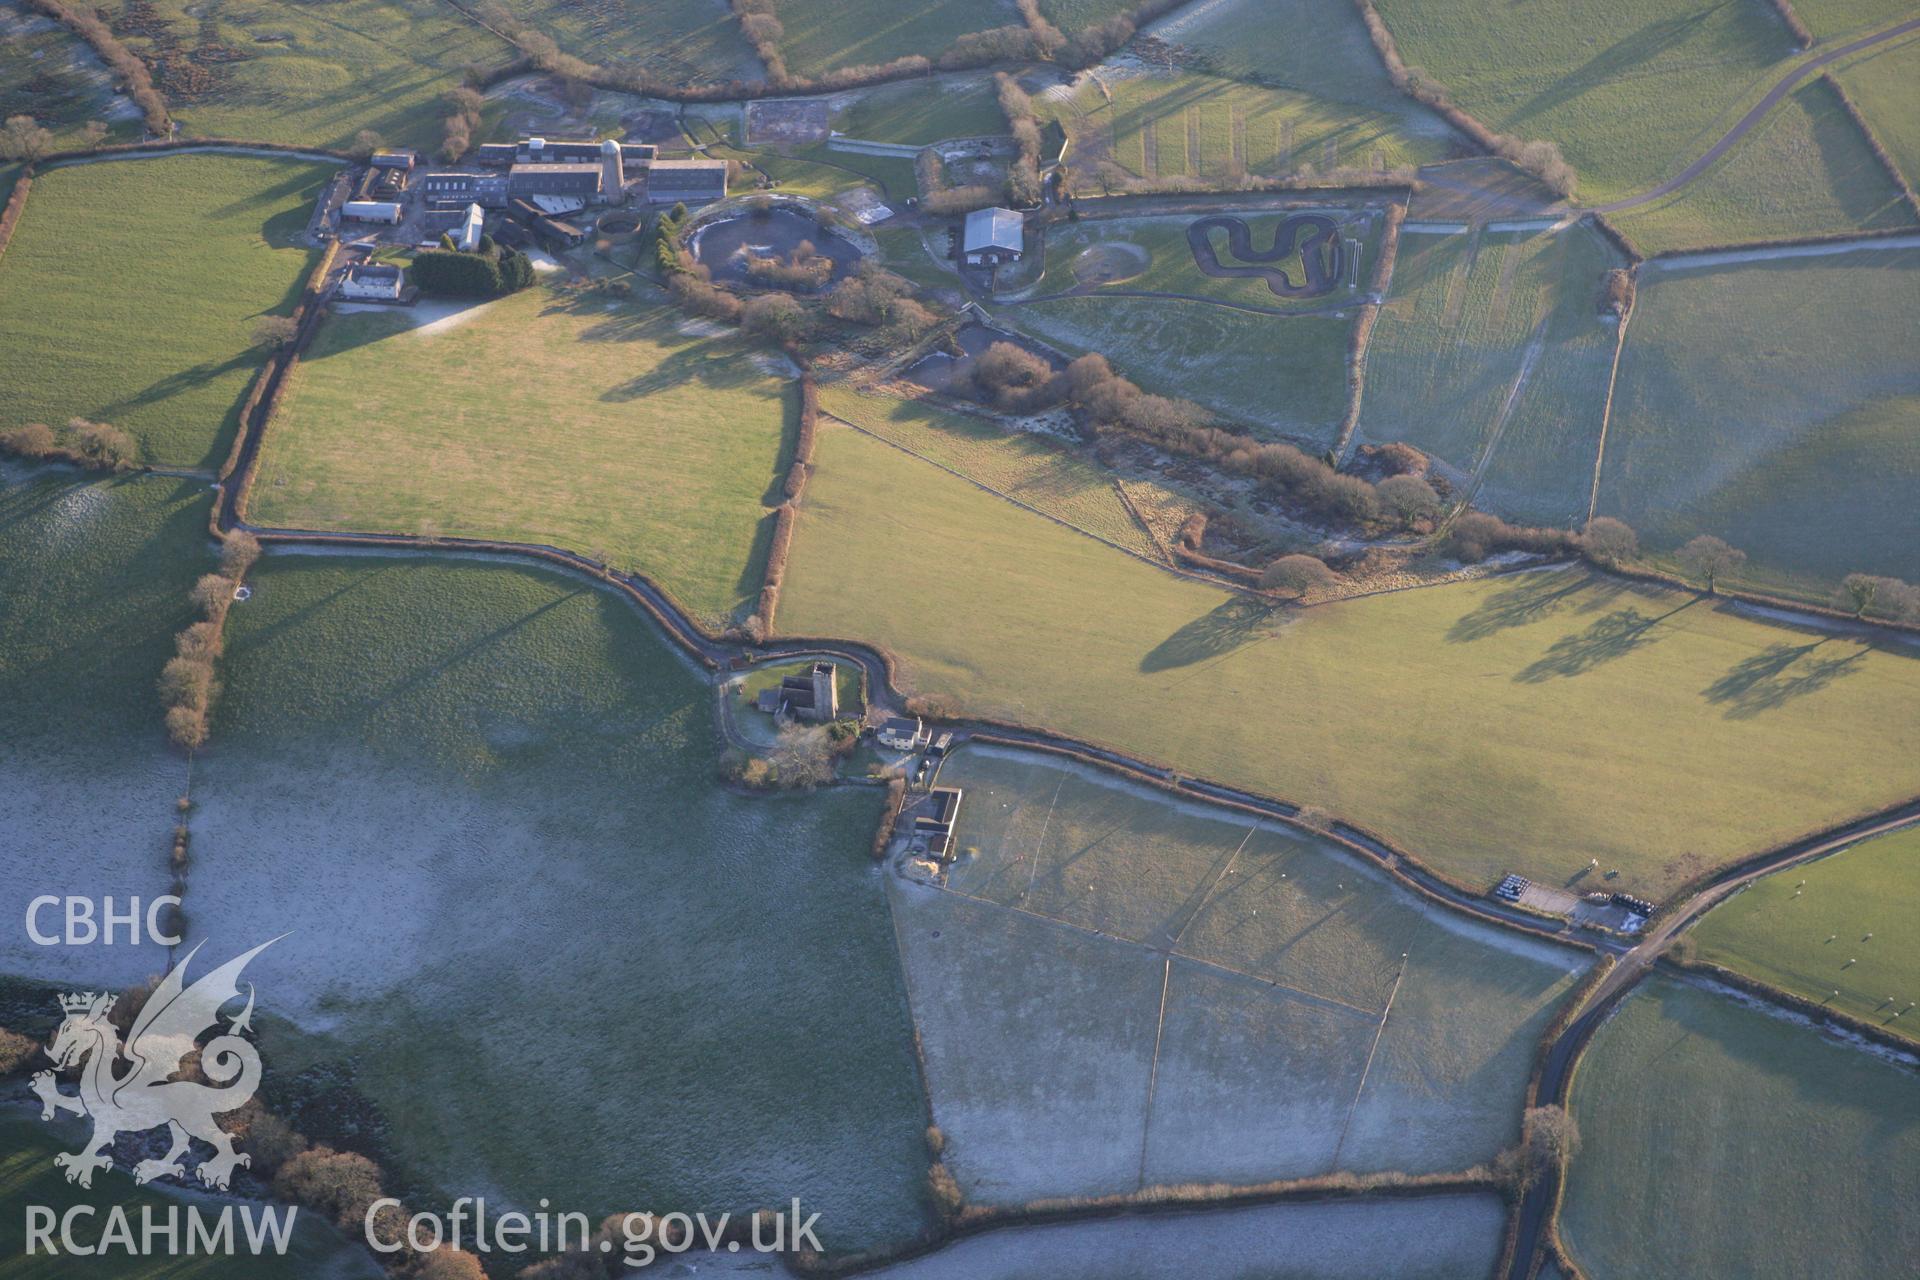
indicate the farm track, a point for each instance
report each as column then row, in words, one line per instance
column 1727, row 141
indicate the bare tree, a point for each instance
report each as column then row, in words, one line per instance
column 1298, row 574
column 365, row 143
column 1548, row 1139
column 1609, row 541
column 238, row 553
column 22, row 139
column 1710, row 559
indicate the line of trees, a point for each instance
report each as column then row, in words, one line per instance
column 1540, row 158
column 937, row 198
column 188, row 685
column 462, row 122
column 1023, row 175
column 1105, row 403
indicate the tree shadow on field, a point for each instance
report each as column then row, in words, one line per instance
column 1634, row 52
column 184, row 380
column 1776, row 676
column 1614, row 636
column 1529, row 598
column 1212, row 635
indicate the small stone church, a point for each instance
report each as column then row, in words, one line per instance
column 810, row 697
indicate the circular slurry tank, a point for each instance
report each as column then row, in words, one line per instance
column 737, row 250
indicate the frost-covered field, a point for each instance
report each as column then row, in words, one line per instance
column 1438, row 1239
column 1296, row 1038
column 533, row 944
column 93, row 583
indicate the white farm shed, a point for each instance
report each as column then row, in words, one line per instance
column 370, row 211
column 991, row 236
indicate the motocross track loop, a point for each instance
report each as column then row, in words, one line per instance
column 1321, row 269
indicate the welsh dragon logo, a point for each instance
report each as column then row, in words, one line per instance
column 129, row 1088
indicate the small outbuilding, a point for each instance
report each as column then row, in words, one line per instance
column 401, row 160
column 991, row 237
column 933, row 829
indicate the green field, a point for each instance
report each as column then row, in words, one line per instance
column 1810, row 468
column 681, row 41
column 1807, row 929
column 1719, row 1140
column 150, row 329
column 619, row 433
column 1806, row 169
column 1883, row 85
column 1582, row 717
column 903, row 250
column 49, row 73
column 1112, row 937
column 1491, row 355
column 923, row 111
column 1830, row 18
column 1154, row 254
column 1157, row 127
column 310, row 74
column 1021, row 465
column 1632, row 92
column 316, row 1251
column 94, row 577
column 484, row 798
column 1296, row 44
column 823, row 35
column 1275, row 375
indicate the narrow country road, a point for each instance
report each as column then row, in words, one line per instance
column 1557, row 1071
column 1732, row 136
